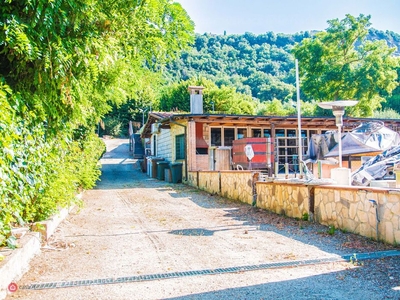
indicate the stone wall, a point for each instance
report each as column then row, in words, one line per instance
column 235, row 185
column 292, row 200
column 346, row 208
column 205, row 180
column 350, row 209
column 239, row 185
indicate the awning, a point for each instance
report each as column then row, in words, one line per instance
column 200, row 142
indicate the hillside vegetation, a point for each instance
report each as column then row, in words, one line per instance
column 261, row 66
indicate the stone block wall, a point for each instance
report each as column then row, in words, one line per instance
column 239, row 185
column 346, row 208
column 350, row 209
column 283, row 198
column 235, row 185
column 205, row 180
column 192, row 179
column 210, row 181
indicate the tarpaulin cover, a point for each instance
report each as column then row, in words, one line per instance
column 377, row 167
column 367, row 138
column 320, row 144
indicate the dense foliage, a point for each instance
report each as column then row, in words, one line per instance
column 258, row 65
column 341, row 64
column 63, row 63
column 263, row 66
column 225, row 100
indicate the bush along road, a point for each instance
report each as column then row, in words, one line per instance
column 140, row 238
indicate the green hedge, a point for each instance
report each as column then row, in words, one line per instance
column 39, row 174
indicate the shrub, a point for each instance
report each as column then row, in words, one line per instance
column 39, row 174
column 113, row 127
column 387, row 113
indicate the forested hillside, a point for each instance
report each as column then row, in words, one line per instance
column 258, row 65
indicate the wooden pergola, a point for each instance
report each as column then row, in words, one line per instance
column 349, row 123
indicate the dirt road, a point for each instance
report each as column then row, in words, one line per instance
column 140, row 238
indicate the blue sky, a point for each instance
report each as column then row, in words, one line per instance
column 286, row 16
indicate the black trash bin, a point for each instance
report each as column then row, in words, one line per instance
column 176, row 172
column 161, row 166
column 154, row 161
column 167, row 175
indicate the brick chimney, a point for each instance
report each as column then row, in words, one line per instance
column 196, row 99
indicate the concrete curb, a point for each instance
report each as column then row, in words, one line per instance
column 48, row 227
column 16, row 261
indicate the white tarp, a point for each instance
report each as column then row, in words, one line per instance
column 377, row 167
column 367, row 138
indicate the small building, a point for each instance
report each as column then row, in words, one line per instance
column 206, row 141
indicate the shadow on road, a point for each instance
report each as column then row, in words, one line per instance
column 121, row 151
column 324, row 286
column 120, row 171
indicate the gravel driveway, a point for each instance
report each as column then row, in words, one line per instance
column 140, row 238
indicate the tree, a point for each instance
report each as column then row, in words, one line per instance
column 143, row 96
column 68, row 57
column 387, row 113
column 276, row 108
column 340, row 63
column 175, row 97
column 63, row 63
column 275, row 89
column 393, row 100
column 228, row 101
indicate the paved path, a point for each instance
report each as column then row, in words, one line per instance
column 140, row 238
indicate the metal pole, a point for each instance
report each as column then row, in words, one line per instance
column 340, row 145
column 299, row 119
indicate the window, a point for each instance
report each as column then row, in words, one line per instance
column 241, row 133
column 279, row 132
column 256, row 132
column 155, row 145
column 216, row 137
column 287, row 148
column 229, row 136
column 180, row 146
column 267, row 133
